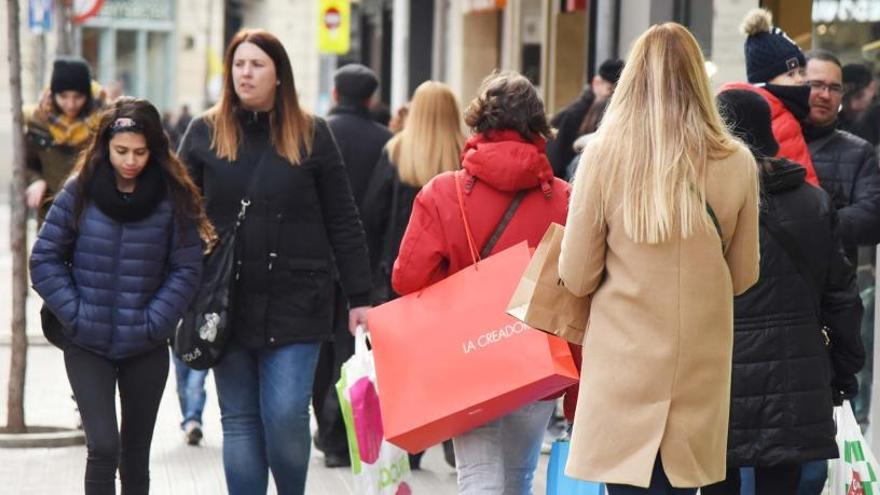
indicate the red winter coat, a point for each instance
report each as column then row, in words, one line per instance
column 786, row 129
column 496, row 165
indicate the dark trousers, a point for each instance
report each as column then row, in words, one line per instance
column 141, row 381
column 776, row 480
column 659, row 485
column 331, row 437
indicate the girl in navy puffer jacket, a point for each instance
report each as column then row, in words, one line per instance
column 117, row 261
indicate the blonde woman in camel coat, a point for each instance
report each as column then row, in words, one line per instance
column 655, row 388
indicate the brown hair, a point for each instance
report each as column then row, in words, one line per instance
column 593, row 117
column 508, row 100
column 185, row 196
column 291, row 129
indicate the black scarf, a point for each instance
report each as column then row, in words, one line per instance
column 795, row 98
column 148, row 192
column 813, row 132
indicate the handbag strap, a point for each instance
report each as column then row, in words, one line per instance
column 716, row 223
column 249, row 190
column 794, row 252
column 385, row 262
column 499, row 229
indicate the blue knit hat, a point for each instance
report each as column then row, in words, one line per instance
column 769, row 51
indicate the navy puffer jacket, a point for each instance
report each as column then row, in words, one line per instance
column 127, row 284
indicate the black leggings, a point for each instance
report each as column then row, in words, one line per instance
column 777, row 480
column 141, row 382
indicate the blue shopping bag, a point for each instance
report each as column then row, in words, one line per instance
column 560, row 484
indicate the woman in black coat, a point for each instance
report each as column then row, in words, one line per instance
column 301, row 228
column 428, row 145
column 788, row 371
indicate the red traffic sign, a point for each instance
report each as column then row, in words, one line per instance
column 332, row 18
column 84, row 9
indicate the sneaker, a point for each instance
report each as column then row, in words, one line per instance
column 336, row 460
column 193, row 432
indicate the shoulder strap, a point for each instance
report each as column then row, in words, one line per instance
column 793, row 249
column 386, row 257
column 716, row 223
column 502, row 224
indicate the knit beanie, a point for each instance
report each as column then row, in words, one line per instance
column 747, row 115
column 71, row 73
column 856, row 77
column 610, row 70
column 355, row 82
column 769, row 51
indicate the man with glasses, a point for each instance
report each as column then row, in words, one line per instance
column 847, row 169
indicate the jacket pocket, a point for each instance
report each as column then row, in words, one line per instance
column 303, row 287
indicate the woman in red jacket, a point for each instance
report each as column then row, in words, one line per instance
column 505, row 156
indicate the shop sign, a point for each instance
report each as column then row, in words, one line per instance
column 483, row 5
column 153, row 10
column 846, row 11
column 334, row 26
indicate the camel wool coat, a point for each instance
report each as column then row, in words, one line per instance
column 658, row 347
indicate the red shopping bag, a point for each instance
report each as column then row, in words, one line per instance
column 450, row 358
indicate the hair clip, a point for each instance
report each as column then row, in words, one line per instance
column 124, row 124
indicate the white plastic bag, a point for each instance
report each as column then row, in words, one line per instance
column 855, row 472
column 379, row 467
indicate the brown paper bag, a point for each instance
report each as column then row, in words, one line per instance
column 542, row 301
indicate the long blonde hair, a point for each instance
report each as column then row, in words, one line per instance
column 658, row 133
column 291, row 127
column 431, row 141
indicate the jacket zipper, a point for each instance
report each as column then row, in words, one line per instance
column 116, row 290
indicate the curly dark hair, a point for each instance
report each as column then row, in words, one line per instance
column 508, row 100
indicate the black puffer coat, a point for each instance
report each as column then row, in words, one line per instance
column 301, row 218
column 360, row 141
column 387, row 207
column 781, row 390
column 847, row 169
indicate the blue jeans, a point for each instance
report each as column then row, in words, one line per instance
column 659, row 485
column 813, row 477
column 264, row 406
column 500, row 457
column 190, row 391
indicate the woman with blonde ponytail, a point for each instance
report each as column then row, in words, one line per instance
column 662, row 232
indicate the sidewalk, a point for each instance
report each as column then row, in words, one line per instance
column 176, row 469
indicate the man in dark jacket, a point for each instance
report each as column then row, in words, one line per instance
column 860, row 115
column 360, row 141
column 567, row 121
column 360, row 138
column 847, row 169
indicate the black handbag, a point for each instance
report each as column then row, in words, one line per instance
column 201, row 336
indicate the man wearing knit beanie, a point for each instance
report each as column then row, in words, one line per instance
column 568, row 120
column 360, row 141
column 775, row 65
column 860, row 115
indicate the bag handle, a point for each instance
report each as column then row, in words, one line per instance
column 499, row 229
column 467, row 227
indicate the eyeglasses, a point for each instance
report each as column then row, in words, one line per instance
column 820, row 86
